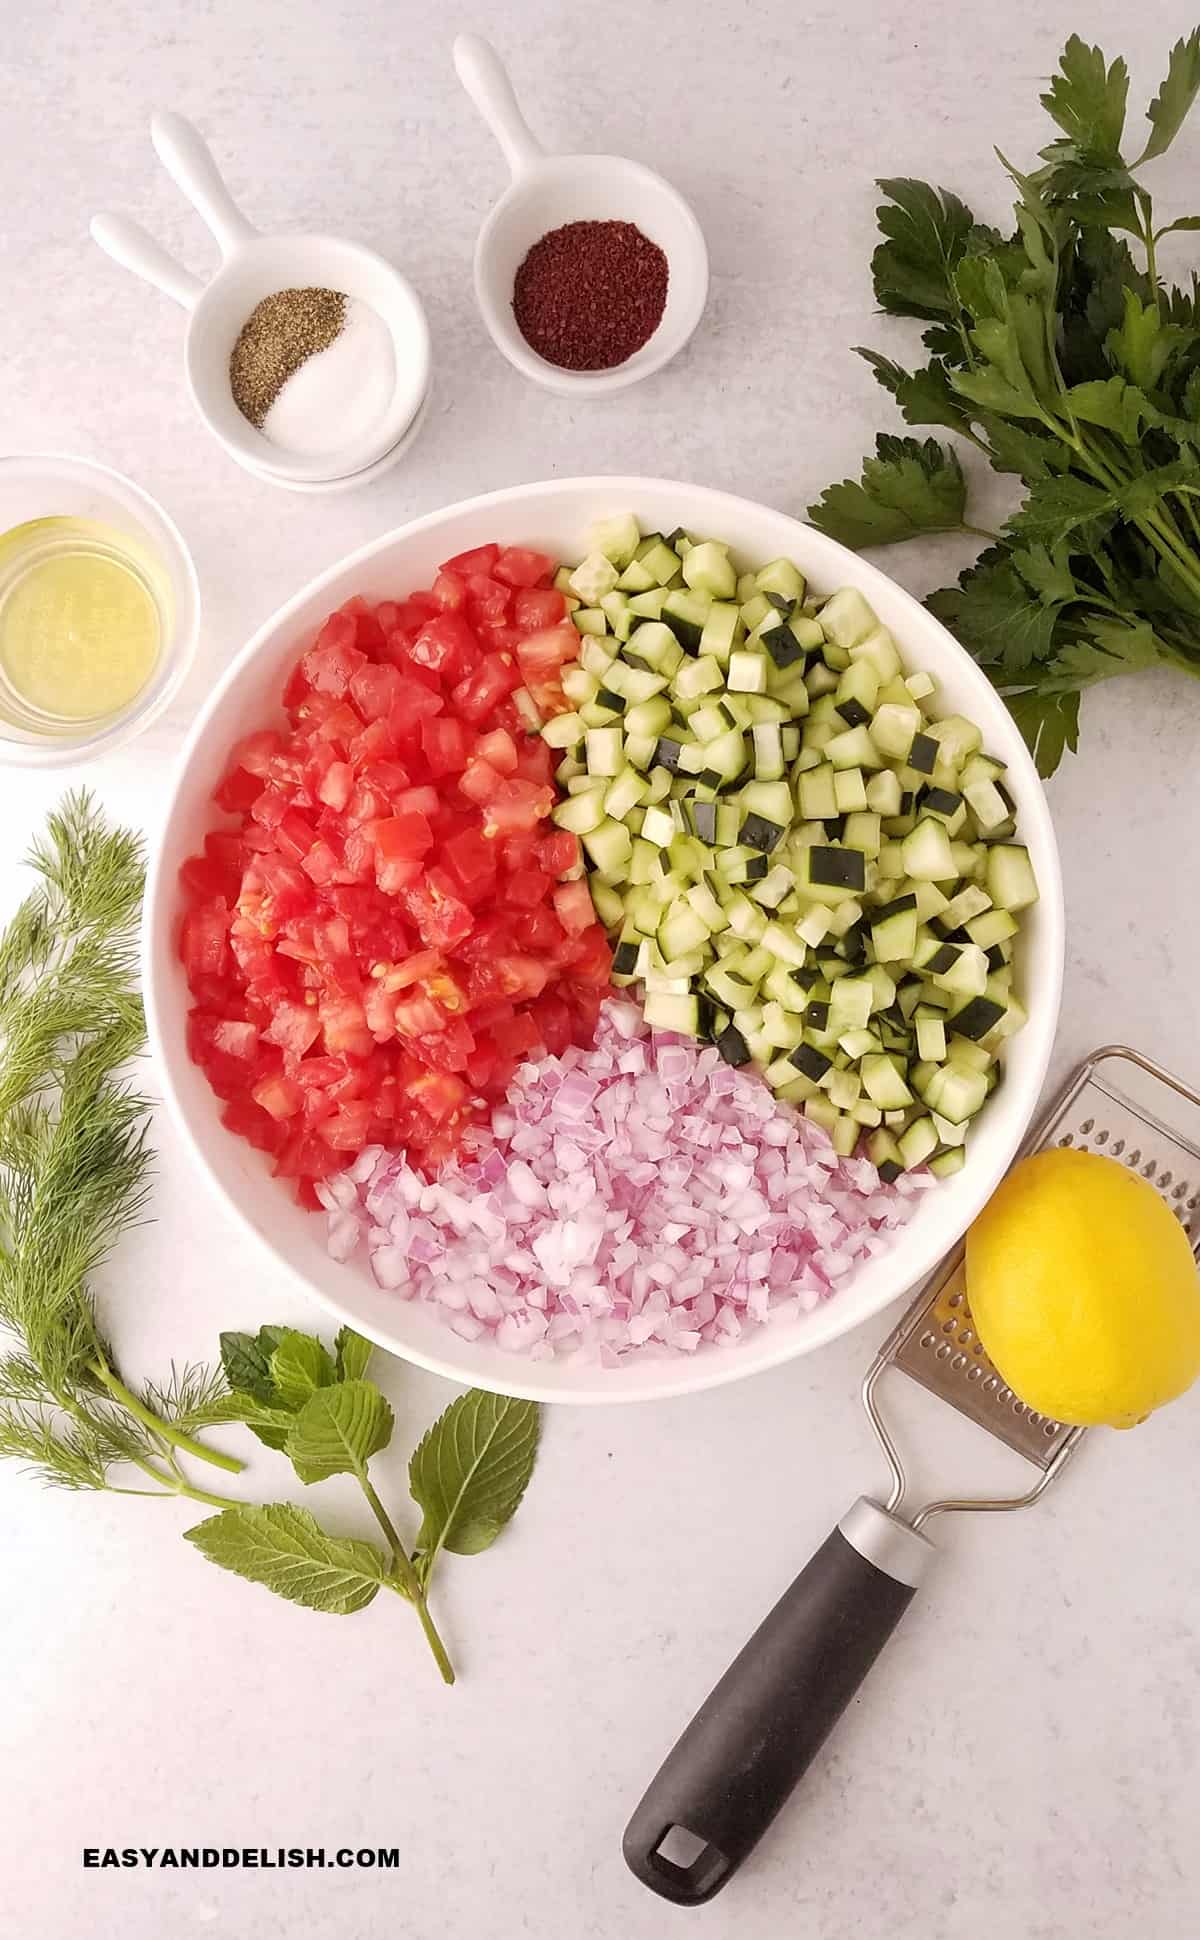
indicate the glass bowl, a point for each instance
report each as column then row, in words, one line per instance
column 49, row 486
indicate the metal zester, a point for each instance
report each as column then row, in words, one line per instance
column 757, row 1732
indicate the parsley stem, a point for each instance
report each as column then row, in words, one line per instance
column 163, row 1429
column 981, row 532
column 408, row 1577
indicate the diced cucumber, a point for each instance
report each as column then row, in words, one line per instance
column 707, row 569
column 1011, row 883
column 615, row 539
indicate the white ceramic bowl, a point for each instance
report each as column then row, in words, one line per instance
column 555, row 516
column 547, row 191
column 252, row 267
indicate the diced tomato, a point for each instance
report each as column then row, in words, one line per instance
column 402, row 838
column 519, row 566
column 573, row 907
column 294, row 1027
column 528, row 887
column 514, row 805
column 522, row 976
column 541, row 657
column 499, row 750
column 204, row 940
column 444, row 745
column 389, row 927
column 278, row 1096
column 450, row 590
column 349, row 1127
column 559, row 852
column 447, row 646
column 251, row 1122
column 441, row 917
column 477, row 697
column 471, row 859
column 334, row 659
column 535, row 608
column 480, row 559
column 344, row 1024
column 519, row 1035
column 236, row 790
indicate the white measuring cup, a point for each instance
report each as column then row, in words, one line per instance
column 549, row 190
column 252, row 267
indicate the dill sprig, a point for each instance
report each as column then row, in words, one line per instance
column 74, row 1171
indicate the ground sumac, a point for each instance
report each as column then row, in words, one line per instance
column 591, row 293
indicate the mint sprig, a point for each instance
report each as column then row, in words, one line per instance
column 467, row 1476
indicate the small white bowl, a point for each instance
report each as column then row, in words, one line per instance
column 549, row 190
column 554, row 516
column 254, row 266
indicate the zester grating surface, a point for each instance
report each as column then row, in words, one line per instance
column 936, row 1343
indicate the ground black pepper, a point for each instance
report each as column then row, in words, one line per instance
column 281, row 333
column 591, row 293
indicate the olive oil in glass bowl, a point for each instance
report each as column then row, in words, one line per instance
column 98, row 610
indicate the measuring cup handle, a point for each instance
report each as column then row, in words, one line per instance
column 186, row 156
column 758, row 1731
column 485, row 77
column 128, row 244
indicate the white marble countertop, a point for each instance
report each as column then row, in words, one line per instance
column 1025, row 1761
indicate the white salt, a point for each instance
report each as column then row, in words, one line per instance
column 340, row 394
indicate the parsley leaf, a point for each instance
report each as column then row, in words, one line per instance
column 924, row 396
column 1113, row 647
column 908, row 487
column 1049, row 724
column 926, row 232
column 1171, row 105
column 1088, row 101
column 1000, row 620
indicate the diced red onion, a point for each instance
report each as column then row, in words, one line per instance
column 641, row 1197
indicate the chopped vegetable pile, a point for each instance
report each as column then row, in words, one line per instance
column 392, row 924
column 640, row 1194
column 398, row 959
column 792, row 855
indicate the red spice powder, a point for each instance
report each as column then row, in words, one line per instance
column 591, row 293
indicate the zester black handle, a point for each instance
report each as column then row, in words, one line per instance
column 758, row 1731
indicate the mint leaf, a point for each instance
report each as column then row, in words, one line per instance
column 1172, row 104
column 1049, row 724
column 470, row 1471
column 270, row 1424
column 1000, row 621
column 299, row 1366
column 247, row 1366
column 908, row 487
column 353, row 1354
column 1088, row 101
column 926, row 232
column 287, row 1551
column 338, row 1430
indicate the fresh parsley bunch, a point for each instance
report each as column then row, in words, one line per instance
column 1065, row 359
